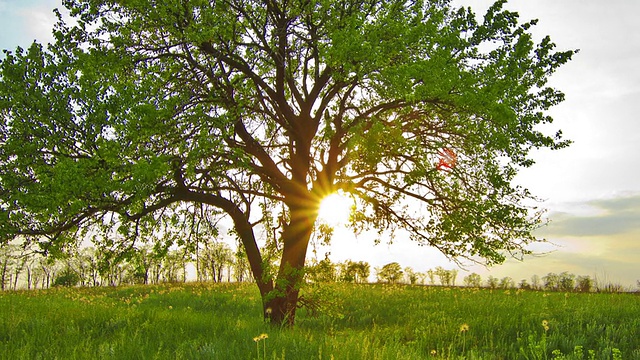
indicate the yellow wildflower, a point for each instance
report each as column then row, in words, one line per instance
column 464, row 328
column 545, row 325
column 260, row 337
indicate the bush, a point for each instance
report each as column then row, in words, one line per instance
column 67, row 278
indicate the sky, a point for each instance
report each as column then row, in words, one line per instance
column 591, row 189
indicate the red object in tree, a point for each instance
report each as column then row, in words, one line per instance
column 447, row 159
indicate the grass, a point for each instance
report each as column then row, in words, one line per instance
column 223, row 321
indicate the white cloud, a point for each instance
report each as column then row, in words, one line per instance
column 26, row 21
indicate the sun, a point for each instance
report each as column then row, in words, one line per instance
column 335, row 209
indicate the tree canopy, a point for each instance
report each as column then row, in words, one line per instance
column 146, row 115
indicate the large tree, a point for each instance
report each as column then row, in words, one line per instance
column 142, row 108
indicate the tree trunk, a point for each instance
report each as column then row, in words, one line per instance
column 282, row 302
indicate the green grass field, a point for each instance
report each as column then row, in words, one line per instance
column 223, row 321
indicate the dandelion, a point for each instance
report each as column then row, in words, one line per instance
column 464, row 328
column 545, row 325
column 257, row 340
column 434, row 352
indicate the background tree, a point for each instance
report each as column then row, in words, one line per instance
column 324, row 271
column 535, row 282
column 472, row 280
column 143, row 108
column 215, row 258
column 447, row 277
column 174, row 265
column 411, row 275
column 362, row 272
column 492, row 282
column 390, row 273
column 347, row 271
column 567, row 281
column 240, row 265
column 6, row 263
column 584, row 283
column 507, row 282
column 524, row 285
column 551, row 282
column 431, row 274
column 67, row 277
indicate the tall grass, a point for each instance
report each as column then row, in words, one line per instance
column 223, row 321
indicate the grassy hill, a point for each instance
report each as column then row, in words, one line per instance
column 223, row 321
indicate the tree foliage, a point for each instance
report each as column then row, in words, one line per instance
column 145, row 115
column 390, row 273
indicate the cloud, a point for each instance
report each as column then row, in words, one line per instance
column 602, row 217
column 598, row 237
column 26, row 21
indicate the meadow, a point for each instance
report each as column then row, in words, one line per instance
column 223, row 321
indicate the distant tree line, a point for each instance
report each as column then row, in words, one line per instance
column 22, row 267
column 393, row 273
column 347, row 271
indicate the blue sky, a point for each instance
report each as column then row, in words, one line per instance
column 592, row 189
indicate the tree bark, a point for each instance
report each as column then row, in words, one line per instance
column 282, row 302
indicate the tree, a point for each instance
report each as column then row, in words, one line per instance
column 362, row 271
column 348, row 271
column 567, row 281
column 214, row 258
column 524, row 285
column 431, row 274
column 240, row 265
column 584, row 283
column 67, row 277
column 447, row 277
column 492, row 282
column 174, row 266
column 143, row 260
column 6, row 263
column 473, row 280
column 551, row 282
column 142, row 108
column 390, row 273
column 535, row 282
column 411, row 275
column 351, row 271
column 507, row 283
column 323, row 271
